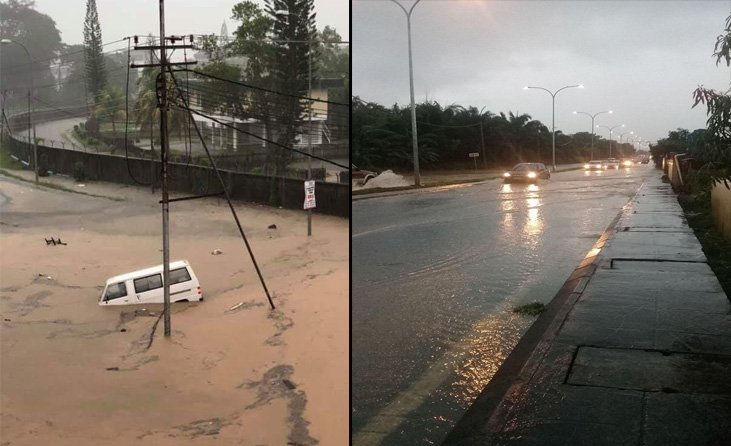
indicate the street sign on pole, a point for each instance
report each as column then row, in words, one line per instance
column 309, row 194
column 474, row 155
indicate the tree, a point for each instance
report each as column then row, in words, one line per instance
column 334, row 56
column 110, row 107
column 73, row 87
column 221, row 97
column 19, row 21
column 718, row 104
column 676, row 142
column 291, row 69
column 96, row 75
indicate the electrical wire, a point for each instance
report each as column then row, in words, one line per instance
column 59, row 56
column 225, row 191
column 126, row 124
column 261, row 88
column 263, row 139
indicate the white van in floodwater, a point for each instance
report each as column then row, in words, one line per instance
column 145, row 286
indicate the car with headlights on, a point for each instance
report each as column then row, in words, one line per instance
column 626, row 162
column 595, row 165
column 527, row 173
column 612, row 163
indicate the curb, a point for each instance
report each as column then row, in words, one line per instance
column 523, row 360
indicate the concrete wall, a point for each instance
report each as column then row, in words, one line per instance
column 672, row 172
column 332, row 198
column 721, row 208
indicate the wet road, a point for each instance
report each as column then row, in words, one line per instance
column 435, row 278
column 56, row 130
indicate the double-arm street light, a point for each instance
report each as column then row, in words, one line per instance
column 414, row 142
column 620, row 142
column 611, row 129
column 553, row 114
column 30, row 121
column 592, row 126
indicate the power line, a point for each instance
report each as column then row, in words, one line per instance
column 62, row 55
column 262, row 89
column 126, row 125
column 220, row 179
column 263, row 139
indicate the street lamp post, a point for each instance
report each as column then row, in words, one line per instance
column 31, row 124
column 414, row 143
column 611, row 129
column 620, row 142
column 592, row 127
column 553, row 115
column 309, row 95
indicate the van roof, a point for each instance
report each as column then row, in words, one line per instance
column 146, row 271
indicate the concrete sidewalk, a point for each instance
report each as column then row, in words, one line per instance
column 635, row 349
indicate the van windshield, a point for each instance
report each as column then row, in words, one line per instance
column 115, row 291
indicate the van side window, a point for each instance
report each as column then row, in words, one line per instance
column 115, row 291
column 179, row 275
column 148, row 283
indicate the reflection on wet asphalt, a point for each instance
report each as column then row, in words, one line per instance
column 435, row 277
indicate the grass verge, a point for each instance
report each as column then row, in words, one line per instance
column 58, row 187
column 697, row 208
column 6, row 162
column 531, row 309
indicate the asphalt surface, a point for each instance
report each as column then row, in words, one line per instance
column 436, row 275
column 635, row 351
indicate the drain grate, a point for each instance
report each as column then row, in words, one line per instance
column 618, row 259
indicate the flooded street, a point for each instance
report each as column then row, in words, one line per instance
column 233, row 371
column 436, row 276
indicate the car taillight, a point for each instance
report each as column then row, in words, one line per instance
column 199, row 290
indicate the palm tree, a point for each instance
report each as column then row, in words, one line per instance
column 111, row 105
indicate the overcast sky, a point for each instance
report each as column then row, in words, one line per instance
column 641, row 59
column 120, row 18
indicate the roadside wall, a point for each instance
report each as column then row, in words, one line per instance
column 721, row 208
column 332, row 198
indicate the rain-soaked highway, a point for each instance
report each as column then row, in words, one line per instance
column 435, row 277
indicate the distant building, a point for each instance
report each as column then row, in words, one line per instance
column 224, row 137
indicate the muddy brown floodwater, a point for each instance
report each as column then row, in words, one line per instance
column 73, row 373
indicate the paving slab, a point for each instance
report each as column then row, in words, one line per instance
column 692, row 420
column 651, row 371
column 654, row 220
column 680, row 246
column 639, row 355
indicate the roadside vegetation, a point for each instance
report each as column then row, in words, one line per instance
column 381, row 138
column 696, row 203
column 6, row 161
column 531, row 309
column 709, row 163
